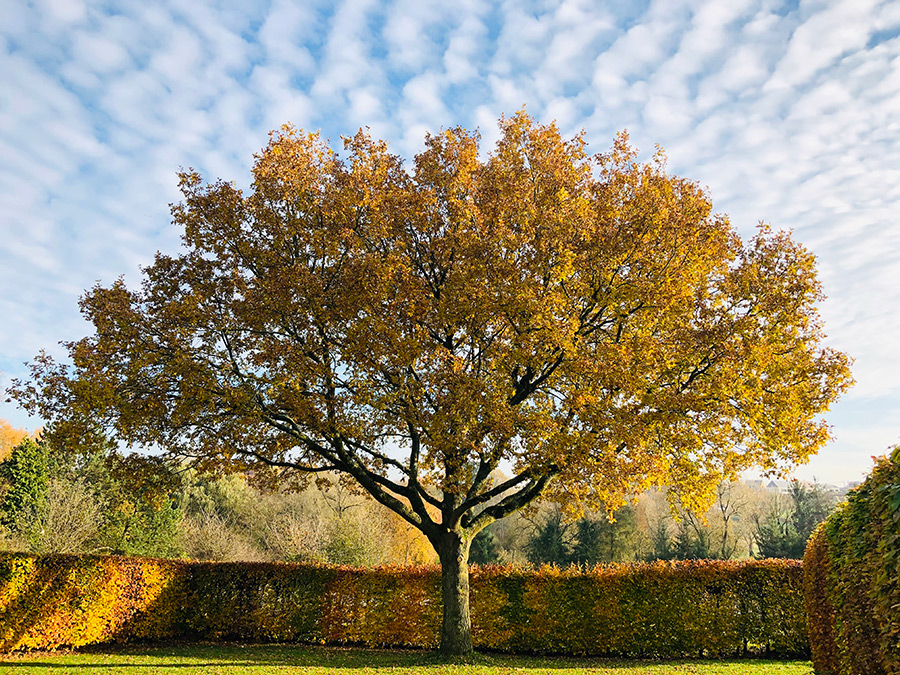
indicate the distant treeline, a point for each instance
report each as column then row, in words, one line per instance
column 104, row 502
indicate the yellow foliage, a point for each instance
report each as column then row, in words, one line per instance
column 661, row 609
column 10, row 437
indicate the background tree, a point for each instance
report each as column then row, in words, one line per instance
column 26, row 479
column 67, row 520
column 787, row 523
column 92, row 502
column 726, row 507
column 589, row 542
column 619, row 537
column 548, row 544
column 484, row 548
column 604, row 540
column 661, row 544
column 693, row 539
column 10, row 437
column 584, row 320
column 139, row 497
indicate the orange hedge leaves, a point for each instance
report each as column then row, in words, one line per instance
column 661, row 609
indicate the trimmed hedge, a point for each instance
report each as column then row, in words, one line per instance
column 852, row 580
column 652, row 609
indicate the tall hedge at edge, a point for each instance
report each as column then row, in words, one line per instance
column 657, row 609
column 852, row 579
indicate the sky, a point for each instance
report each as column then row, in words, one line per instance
column 788, row 112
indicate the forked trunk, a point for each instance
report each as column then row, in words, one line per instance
column 456, row 629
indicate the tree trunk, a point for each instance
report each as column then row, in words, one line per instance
column 456, row 629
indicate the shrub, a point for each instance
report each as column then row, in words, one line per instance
column 852, row 587
column 67, row 520
column 659, row 609
column 208, row 536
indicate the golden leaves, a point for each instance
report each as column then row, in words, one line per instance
column 582, row 316
column 10, row 437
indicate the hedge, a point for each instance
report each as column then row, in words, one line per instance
column 648, row 609
column 852, row 579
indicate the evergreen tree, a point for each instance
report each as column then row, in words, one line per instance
column 692, row 540
column 27, row 477
column 783, row 532
column 587, row 550
column 661, row 542
column 484, row 549
column 602, row 540
column 811, row 507
column 548, row 544
column 775, row 537
column 621, row 535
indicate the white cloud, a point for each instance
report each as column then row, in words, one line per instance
column 521, row 41
column 346, row 61
column 633, row 53
column 287, row 28
column 412, row 35
column 825, row 37
column 741, row 70
column 101, row 54
column 64, row 11
column 460, row 59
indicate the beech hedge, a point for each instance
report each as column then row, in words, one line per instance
column 852, row 579
column 645, row 609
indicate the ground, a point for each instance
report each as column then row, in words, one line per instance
column 237, row 659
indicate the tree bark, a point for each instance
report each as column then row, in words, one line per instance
column 456, row 629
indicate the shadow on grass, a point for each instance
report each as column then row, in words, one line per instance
column 219, row 656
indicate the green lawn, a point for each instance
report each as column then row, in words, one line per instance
column 296, row 660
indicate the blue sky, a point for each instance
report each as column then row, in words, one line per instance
column 788, row 112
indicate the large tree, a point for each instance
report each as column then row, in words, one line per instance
column 584, row 323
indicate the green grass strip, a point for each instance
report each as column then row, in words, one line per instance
column 234, row 659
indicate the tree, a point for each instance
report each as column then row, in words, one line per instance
column 10, row 437
column 590, row 540
column 548, row 543
column 725, row 516
column 483, row 550
column 661, row 544
column 584, row 320
column 693, row 539
column 141, row 513
column 67, row 520
column 782, row 532
column 605, row 540
column 27, row 480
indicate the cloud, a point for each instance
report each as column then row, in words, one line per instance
column 287, row 29
column 413, row 34
column 101, row 53
column 823, row 38
column 464, row 47
column 63, row 11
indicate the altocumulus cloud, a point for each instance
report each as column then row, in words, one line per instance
column 788, row 112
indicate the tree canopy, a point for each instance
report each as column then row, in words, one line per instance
column 583, row 321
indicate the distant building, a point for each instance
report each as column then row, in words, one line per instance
column 780, row 486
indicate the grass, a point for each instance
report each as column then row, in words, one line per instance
column 235, row 659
